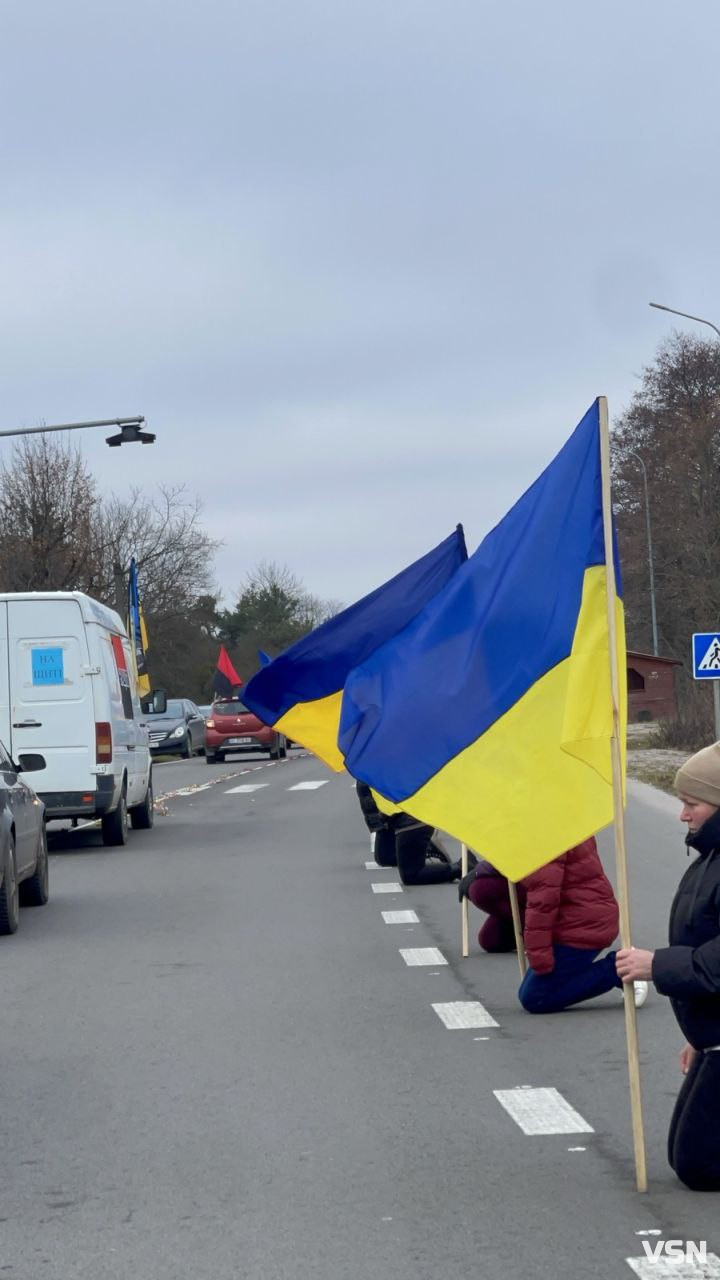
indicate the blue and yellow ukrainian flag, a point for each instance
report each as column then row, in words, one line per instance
column 300, row 691
column 491, row 716
column 138, row 632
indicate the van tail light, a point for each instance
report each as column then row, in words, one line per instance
column 103, row 742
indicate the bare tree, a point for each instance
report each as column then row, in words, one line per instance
column 314, row 610
column 673, row 425
column 48, row 513
column 273, row 609
column 57, row 533
column 174, row 555
column 173, row 551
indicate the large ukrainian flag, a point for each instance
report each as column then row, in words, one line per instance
column 300, row 691
column 491, row 715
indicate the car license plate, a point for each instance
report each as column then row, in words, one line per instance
column 238, row 742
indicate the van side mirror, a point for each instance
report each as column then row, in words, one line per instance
column 31, row 763
column 155, row 704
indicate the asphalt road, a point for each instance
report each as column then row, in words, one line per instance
column 217, row 1066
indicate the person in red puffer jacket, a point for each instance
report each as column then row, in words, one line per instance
column 571, row 915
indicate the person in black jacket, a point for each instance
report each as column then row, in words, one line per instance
column 688, row 971
column 403, row 842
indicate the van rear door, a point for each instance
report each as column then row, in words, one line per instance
column 51, row 699
column 5, row 732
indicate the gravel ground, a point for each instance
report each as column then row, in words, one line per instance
column 656, row 765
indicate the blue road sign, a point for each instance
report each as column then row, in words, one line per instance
column 706, row 655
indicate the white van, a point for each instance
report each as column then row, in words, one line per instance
column 68, row 691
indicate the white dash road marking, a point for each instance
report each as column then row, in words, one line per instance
column 375, row 866
column 464, row 1013
column 422, row 955
column 246, row 787
column 308, row 786
column 387, row 886
column 400, row 917
column 662, row 1268
column 541, row 1111
column 214, row 782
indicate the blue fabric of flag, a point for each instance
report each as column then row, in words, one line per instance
column 504, row 620
column 316, row 666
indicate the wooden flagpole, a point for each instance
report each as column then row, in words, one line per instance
column 517, row 926
column 619, row 819
column 465, row 905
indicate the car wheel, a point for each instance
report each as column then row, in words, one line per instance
column 142, row 815
column 9, row 898
column 35, row 891
column 283, row 749
column 210, row 757
column 115, row 824
column 275, row 750
column 187, row 749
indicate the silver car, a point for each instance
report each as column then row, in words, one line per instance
column 23, row 843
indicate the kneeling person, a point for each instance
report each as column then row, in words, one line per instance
column 403, row 842
column 571, row 915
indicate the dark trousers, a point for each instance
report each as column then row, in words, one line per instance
column 694, row 1137
column 411, row 846
column 384, row 848
column 490, row 893
column 574, row 978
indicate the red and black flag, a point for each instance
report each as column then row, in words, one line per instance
column 226, row 680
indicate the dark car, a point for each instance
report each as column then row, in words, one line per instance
column 178, row 730
column 231, row 728
column 23, row 843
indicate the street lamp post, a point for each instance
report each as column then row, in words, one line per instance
column 651, row 569
column 129, row 432
column 659, row 306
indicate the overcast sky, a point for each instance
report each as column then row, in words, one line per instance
column 362, row 264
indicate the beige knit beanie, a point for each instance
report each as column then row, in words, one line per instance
column 699, row 777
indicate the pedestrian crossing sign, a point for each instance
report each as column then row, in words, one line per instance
column 706, row 655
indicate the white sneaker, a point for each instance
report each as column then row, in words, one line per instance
column 641, row 993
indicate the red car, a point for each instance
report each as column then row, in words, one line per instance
column 230, row 727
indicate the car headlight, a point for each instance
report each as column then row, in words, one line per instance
column 179, row 732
